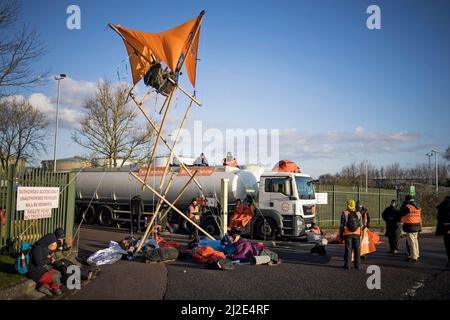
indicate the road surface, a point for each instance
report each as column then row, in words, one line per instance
column 299, row 276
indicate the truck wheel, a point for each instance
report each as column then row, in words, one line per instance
column 88, row 214
column 210, row 226
column 105, row 216
column 266, row 229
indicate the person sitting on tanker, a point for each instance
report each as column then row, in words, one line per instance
column 40, row 270
column 230, row 161
column 201, row 161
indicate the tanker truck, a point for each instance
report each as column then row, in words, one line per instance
column 285, row 201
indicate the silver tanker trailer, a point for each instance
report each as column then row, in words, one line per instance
column 285, row 201
column 103, row 195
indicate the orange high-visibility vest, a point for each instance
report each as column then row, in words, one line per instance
column 348, row 232
column 414, row 216
column 316, row 230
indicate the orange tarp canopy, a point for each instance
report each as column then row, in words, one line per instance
column 286, row 166
column 167, row 46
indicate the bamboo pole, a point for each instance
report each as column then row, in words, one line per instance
column 164, row 140
column 162, row 125
column 188, row 49
column 172, row 206
column 155, row 146
column 174, row 144
column 158, row 207
column 174, row 202
column 164, row 104
column 149, row 227
column 125, row 40
column 185, row 92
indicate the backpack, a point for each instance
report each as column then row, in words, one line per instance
column 25, row 249
column 207, row 255
column 352, row 222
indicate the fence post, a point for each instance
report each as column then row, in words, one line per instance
column 224, row 207
column 379, row 205
column 70, row 204
column 334, row 205
column 9, row 201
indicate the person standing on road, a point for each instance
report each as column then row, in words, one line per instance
column 364, row 214
column 194, row 215
column 443, row 225
column 411, row 217
column 137, row 209
column 350, row 231
column 391, row 217
column 365, row 219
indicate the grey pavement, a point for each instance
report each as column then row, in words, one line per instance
column 299, row 276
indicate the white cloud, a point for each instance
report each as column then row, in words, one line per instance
column 296, row 144
column 73, row 95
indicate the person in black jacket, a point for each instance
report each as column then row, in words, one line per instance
column 39, row 269
column 391, row 217
column 443, row 225
column 137, row 209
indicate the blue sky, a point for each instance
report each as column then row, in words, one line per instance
column 338, row 91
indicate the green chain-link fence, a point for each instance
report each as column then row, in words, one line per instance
column 13, row 228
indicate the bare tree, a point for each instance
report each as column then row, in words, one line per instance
column 23, row 131
column 109, row 129
column 19, row 48
column 446, row 154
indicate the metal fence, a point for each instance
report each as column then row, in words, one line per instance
column 375, row 200
column 14, row 229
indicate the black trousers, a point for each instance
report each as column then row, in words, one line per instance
column 352, row 243
column 136, row 223
column 447, row 245
column 393, row 237
column 193, row 231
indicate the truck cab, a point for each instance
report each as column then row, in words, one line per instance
column 285, row 205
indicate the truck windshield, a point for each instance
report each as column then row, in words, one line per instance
column 305, row 187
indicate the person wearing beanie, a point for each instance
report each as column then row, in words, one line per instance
column 350, row 231
column 411, row 218
column 39, row 269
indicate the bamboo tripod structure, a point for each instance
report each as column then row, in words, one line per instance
column 159, row 132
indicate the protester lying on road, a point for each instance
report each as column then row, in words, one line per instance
column 317, row 237
column 245, row 251
column 151, row 250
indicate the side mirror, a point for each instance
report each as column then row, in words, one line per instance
column 293, row 198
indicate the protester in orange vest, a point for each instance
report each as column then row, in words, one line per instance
column 411, row 218
column 350, row 231
column 230, row 161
